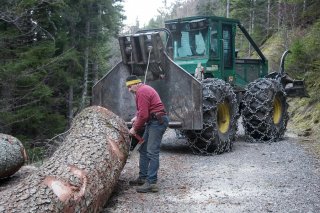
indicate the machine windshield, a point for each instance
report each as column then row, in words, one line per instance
column 190, row 42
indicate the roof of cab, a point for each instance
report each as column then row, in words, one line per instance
column 192, row 18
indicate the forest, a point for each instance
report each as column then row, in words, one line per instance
column 53, row 51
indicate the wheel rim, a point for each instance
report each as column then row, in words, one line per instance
column 223, row 119
column 277, row 110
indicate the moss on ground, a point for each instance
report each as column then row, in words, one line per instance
column 305, row 113
column 304, row 121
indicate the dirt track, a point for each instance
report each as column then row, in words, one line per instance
column 277, row 177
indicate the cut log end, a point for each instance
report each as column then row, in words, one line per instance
column 81, row 175
column 12, row 155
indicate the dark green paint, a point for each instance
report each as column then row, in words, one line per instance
column 214, row 48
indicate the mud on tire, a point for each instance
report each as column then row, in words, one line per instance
column 220, row 108
column 264, row 111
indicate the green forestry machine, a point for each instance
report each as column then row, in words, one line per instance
column 205, row 87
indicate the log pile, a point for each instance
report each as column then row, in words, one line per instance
column 12, row 155
column 81, row 174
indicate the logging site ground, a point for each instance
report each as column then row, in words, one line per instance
column 255, row 177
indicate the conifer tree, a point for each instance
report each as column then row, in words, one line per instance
column 43, row 58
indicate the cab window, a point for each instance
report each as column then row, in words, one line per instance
column 214, row 41
column 227, row 45
column 189, row 42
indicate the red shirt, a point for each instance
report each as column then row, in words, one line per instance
column 147, row 102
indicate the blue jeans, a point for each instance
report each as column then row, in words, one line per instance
column 150, row 149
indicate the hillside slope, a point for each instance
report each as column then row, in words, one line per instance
column 302, row 63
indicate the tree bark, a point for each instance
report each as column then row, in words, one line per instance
column 86, row 68
column 228, row 8
column 12, row 155
column 279, row 14
column 71, row 70
column 70, row 105
column 250, row 27
column 95, row 70
column 81, row 174
column 95, row 62
column 6, row 103
column 268, row 17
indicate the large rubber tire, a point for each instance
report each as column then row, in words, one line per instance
column 220, row 108
column 264, row 111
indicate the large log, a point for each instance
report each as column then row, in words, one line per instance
column 12, row 155
column 81, row 174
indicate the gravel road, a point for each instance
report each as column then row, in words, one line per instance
column 276, row 177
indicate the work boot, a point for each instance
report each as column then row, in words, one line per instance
column 148, row 187
column 137, row 182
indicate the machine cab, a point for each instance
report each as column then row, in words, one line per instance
column 204, row 40
column 210, row 41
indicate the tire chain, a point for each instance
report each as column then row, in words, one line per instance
column 207, row 147
column 257, row 111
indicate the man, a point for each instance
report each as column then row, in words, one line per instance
column 150, row 111
column 198, row 74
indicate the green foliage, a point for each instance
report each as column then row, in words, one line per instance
column 42, row 58
column 25, row 76
column 298, row 58
column 312, row 13
column 156, row 23
column 304, row 62
column 35, row 155
column 305, row 55
column 211, row 8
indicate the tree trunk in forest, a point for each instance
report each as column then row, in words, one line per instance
column 6, row 90
column 86, row 69
column 70, row 105
column 228, row 8
column 279, row 15
column 12, row 155
column 250, row 26
column 268, row 17
column 81, row 174
column 95, row 62
column 71, row 70
column 253, row 17
column 95, row 70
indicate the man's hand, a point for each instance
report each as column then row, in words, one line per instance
column 134, row 119
column 132, row 131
